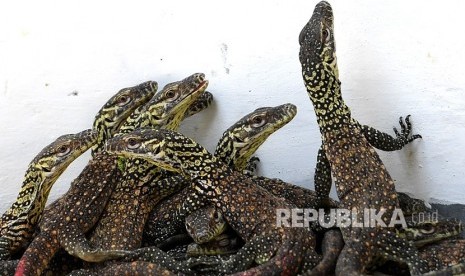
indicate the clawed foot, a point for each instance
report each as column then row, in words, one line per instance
column 406, row 130
column 251, row 167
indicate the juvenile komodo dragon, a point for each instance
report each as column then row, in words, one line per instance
column 122, row 222
column 67, row 219
column 33, row 196
column 249, row 209
column 362, row 181
column 237, row 144
column 18, row 223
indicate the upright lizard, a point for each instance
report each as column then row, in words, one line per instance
column 122, row 222
column 362, row 181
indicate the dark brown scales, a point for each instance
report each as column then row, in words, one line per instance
column 362, row 181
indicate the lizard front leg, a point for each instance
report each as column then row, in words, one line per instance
column 322, row 178
column 386, row 142
column 76, row 244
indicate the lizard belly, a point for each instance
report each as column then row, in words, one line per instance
column 361, row 179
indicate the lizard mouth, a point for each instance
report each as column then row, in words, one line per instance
column 239, row 141
column 201, row 87
column 157, row 153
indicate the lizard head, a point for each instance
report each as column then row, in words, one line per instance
column 176, row 98
column 317, row 44
column 167, row 149
column 421, row 233
column 57, row 156
column 242, row 139
column 168, row 107
column 319, row 69
column 205, row 224
column 119, row 107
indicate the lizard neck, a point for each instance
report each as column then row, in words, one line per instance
column 104, row 131
column 225, row 151
column 34, row 183
column 134, row 120
column 324, row 89
column 197, row 163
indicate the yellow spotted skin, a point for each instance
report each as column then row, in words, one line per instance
column 249, row 209
column 240, row 141
column 226, row 243
column 122, row 223
column 117, row 109
column 32, row 197
column 237, row 144
column 67, row 220
column 205, row 224
column 362, row 182
column 443, row 258
column 430, row 231
column 18, row 223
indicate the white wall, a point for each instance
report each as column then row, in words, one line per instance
column 398, row 58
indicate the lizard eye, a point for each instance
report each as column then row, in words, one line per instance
column 326, row 34
column 133, row 143
column 258, row 121
column 171, row 95
column 217, row 216
column 63, row 150
column 428, row 228
column 123, row 100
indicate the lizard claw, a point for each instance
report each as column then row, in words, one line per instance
column 406, row 131
column 251, row 166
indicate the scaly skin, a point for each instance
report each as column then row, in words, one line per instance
column 237, row 144
column 410, row 205
column 208, row 228
column 361, row 180
column 71, row 216
column 300, row 196
column 204, row 224
column 143, row 268
column 18, row 222
column 445, row 257
column 430, row 231
column 118, row 108
column 122, row 222
column 225, row 243
column 249, row 209
column 436, row 246
column 63, row 264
